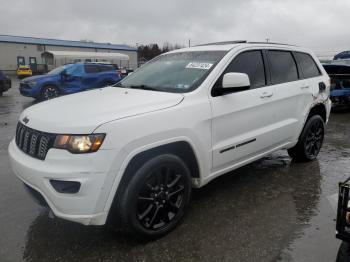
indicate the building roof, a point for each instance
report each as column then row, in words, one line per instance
column 87, row 55
column 57, row 42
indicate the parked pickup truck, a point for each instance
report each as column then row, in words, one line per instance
column 68, row 79
column 5, row 83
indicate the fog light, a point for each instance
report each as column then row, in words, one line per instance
column 65, row 187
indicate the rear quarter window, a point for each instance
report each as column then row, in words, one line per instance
column 90, row 69
column 106, row 68
column 307, row 65
column 282, row 66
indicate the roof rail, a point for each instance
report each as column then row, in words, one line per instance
column 225, row 43
column 242, row 42
column 269, row 43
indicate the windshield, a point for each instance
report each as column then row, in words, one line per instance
column 60, row 69
column 177, row 72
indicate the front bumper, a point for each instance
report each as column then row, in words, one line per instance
column 90, row 170
column 27, row 90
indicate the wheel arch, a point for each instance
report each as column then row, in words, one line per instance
column 182, row 149
column 318, row 109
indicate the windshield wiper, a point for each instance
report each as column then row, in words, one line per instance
column 144, row 87
column 118, row 85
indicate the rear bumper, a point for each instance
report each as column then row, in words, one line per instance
column 24, row 74
column 90, row 170
column 340, row 101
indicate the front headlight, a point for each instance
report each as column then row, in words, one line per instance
column 79, row 144
column 32, row 83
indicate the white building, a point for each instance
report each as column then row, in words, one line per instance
column 16, row 50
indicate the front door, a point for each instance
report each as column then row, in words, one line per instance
column 242, row 124
column 72, row 80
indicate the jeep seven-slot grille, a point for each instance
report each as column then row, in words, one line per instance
column 33, row 142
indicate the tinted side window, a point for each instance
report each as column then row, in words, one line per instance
column 307, row 65
column 105, row 68
column 89, row 69
column 76, row 70
column 282, row 66
column 251, row 63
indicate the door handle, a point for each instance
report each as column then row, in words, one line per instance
column 304, row 87
column 266, row 94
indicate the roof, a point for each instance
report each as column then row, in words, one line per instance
column 57, row 42
column 342, row 55
column 229, row 45
column 87, row 55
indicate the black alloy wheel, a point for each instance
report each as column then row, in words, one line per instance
column 314, row 139
column 310, row 140
column 161, row 197
column 49, row 92
column 156, row 197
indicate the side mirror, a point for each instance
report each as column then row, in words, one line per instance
column 235, row 81
column 64, row 74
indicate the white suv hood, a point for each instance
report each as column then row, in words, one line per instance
column 82, row 113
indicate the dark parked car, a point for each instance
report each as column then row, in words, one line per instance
column 68, row 79
column 343, row 221
column 340, row 84
column 5, row 83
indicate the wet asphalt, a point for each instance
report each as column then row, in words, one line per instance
column 271, row 210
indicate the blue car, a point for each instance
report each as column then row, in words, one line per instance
column 68, row 79
column 340, row 85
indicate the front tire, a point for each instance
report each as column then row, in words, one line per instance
column 310, row 140
column 49, row 92
column 156, row 197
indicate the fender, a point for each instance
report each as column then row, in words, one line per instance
column 118, row 181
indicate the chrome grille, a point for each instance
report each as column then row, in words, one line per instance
column 33, row 142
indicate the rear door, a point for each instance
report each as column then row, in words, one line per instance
column 294, row 89
column 108, row 75
column 91, row 77
column 242, row 122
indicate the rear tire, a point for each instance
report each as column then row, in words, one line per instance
column 155, row 199
column 343, row 252
column 310, row 140
column 49, row 92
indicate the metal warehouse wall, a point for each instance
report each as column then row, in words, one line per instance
column 10, row 51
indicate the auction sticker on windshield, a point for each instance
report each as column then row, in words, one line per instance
column 196, row 65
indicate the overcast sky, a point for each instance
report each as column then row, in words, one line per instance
column 319, row 24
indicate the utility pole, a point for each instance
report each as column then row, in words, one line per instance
column 189, row 42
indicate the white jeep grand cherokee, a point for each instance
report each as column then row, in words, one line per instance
column 130, row 153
